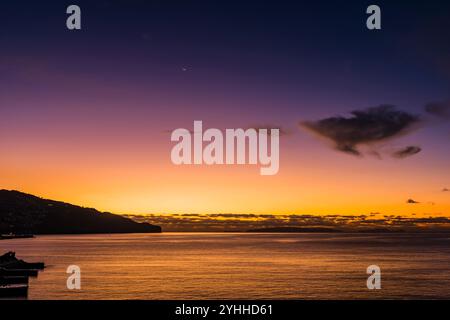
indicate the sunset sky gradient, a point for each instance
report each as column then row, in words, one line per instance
column 85, row 116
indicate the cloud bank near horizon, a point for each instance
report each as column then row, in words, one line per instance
column 375, row 222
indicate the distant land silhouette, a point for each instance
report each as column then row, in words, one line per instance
column 321, row 230
column 25, row 213
column 294, row 229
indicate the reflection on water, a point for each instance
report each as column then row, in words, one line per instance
column 239, row 266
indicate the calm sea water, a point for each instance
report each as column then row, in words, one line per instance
column 239, row 266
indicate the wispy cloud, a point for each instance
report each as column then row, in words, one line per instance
column 439, row 109
column 406, row 152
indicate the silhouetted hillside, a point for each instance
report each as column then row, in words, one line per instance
column 25, row 213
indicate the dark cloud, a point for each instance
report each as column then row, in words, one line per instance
column 363, row 127
column 406, row 152
column 439, row 109
column 445, row 190
column 411, row 201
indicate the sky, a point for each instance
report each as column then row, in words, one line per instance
column 86, row 115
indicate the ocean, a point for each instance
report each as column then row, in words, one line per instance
column 238, row 265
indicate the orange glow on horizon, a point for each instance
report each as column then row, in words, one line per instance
column 145, row 183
